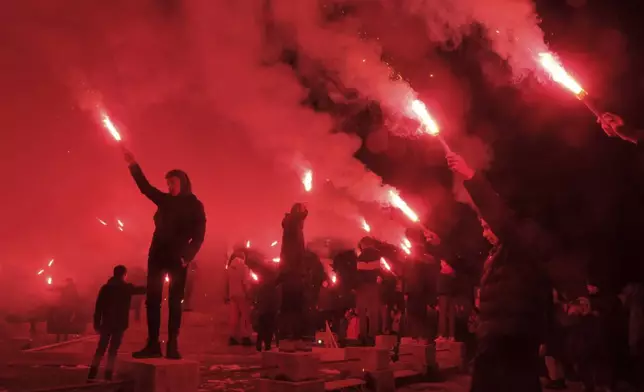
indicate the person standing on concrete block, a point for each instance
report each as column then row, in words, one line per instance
column 111, row 319
column 179, row 230
column 516, row 283
column 291, row 280
column 368, row 293
column 238, row 299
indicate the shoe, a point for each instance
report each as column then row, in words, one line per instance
column 172, row 349
column 151, row 350
column 556, row 384
column 93, row 372
column 233, row 342
column 246, row 342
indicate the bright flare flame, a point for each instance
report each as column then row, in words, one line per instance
column 167, row 279
column 40, row 272
column 365, row 226
column 254, row 276
column 274, row 243
column 248, row 244
column 406, row 242
column 102, row 222
column 399, row 203
column 119, row 222
column 120, row 228
column 307, row 180
column 107, row 123
column 420, row 110
column 51, row 262
column 385, row 265
column 559, row 74
column 276, row 259
column 49, row 280
column 334, row 279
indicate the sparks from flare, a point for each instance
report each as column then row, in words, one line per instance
column 273, row 243
column 399, row 203
column 276, row 259
column 426, row 120
column 254, row 276
column 120, row 222
column 40, row 272
column 109, row 125
column 51, row 262
column 49, row 280
column 101, row 221
column 559, row 74
column 307, row 180
column 365, row 225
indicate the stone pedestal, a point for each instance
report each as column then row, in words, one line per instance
column 269, row 385
column 386, row 341
column 450, row 355
column 298, row 366
column 420, row 357
column 381, row 381
column 368, row 358
column 161, row 375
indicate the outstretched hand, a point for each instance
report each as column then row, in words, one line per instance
column 611, row 123
column 129, row 157
column 458, row 165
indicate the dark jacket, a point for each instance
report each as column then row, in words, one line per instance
column 293, row 248
column 518, row 276
column 113, row 305
column 180, row 221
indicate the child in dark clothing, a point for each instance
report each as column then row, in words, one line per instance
column 111, row 318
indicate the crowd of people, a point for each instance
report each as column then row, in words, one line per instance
column 518, row 313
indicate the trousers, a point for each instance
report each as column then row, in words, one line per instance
column 110, row 342
column 154, row 296
column 240, row 324
column 293, row 312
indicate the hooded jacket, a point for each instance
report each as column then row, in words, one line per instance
column 519, row 275
column 180, row 221
column 293, row 248
column 112, row 309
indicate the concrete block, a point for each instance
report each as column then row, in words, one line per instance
column 451, row 355
column 298, row 366
column 419, row 357
column 161, row 375
column 386, row 341
column 270, row 385
column 368, row 358
column 381, row 381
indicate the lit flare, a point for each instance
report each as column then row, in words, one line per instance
column 426, row 120
column 365, row 226
column 399, row 203
column 109, row 125
column 307, row 180
column 558, row 73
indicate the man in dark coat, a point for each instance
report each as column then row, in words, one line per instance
column 180, row 227
column 111, row 318
column 516, row 283
column 291, row 278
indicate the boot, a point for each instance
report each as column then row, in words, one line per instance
column 151, row 350
column 172, row 349
column 93, row 371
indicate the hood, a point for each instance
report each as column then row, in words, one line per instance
column 186, row 186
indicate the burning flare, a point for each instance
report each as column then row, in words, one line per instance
column 102, row 222
column 120, row 223
column 559, row 74
column 334, row 278
column 167, row 279
column 420, row 110
column 273, row 243
column 399, row 203
column 254, row 276
column 307, row 180
column 51, row 262
column 49, row 280
column 107, row 123
column 248, row 244
column 276, row 259
column 40, row 272
column 365, row 226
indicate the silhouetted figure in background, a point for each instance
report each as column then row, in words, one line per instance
column 180, row 227
column 238, row 299
column 291, row 278
column 368, row 292
column 111, row 318
column 137, row 277
column 266, row 306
